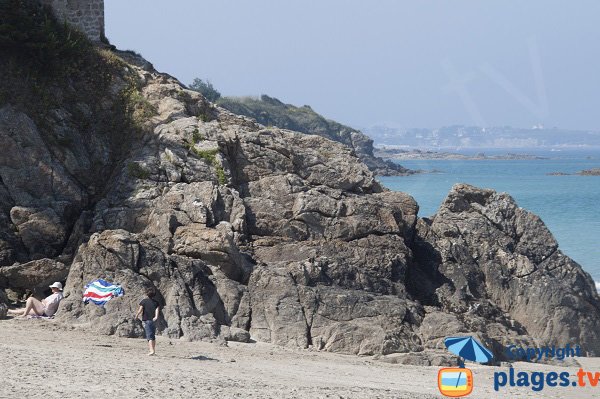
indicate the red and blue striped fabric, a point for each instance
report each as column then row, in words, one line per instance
column 101, row 291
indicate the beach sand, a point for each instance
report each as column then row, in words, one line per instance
column 41, row 358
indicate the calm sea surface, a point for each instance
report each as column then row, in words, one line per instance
column 569, row 205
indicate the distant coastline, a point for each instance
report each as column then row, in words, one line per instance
column 483, row 137
column 415, row 154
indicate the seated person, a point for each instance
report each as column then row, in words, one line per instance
column 47, row 307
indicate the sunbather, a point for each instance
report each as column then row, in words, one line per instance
column 46, row 307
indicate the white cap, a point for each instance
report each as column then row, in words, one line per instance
column 57, row 285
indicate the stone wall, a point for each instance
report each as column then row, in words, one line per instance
column 85, row 15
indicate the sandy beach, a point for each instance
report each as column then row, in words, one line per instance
column 44, row 359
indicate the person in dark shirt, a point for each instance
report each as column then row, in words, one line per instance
column 149, row 309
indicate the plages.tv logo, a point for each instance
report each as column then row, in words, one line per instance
column 455, row 382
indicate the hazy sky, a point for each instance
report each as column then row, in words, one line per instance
column 417, row 63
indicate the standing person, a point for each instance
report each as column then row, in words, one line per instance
column 46, row 307
column 149, row 309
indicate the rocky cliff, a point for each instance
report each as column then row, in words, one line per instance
column 263, row 233
column 269, row 111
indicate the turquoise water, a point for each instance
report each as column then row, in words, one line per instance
column 569, row 205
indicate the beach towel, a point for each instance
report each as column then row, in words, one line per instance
column 101, row 291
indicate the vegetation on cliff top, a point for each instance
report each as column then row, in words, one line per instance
column 42, row 46
column 55, row 75
column 270, row 112
column 206, row 88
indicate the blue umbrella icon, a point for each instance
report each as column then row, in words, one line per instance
column 469, row 349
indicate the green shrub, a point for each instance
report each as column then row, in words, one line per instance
column 183, row 96
column 222, row 179
column 206, row 89
column 138, row 171
column 196, row 136
column 210, row 156
column 136, row 104
column 206, row 115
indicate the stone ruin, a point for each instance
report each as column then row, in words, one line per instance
column 85, row 15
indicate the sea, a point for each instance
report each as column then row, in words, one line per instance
column 568, row 205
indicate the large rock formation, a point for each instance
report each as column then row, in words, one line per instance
column 482, row 254
column 247, row 231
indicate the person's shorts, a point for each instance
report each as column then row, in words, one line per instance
column 150, row 330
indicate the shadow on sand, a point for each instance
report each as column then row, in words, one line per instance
column 200, row 357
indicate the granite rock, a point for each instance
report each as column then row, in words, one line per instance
column 253, row 233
